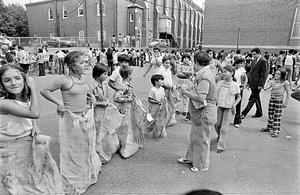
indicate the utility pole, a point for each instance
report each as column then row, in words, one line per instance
column 86, row 23
column 57, row 20
column 238, row 39
column 116, row 18
column 101, row 24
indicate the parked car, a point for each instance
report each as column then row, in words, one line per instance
column 59, row 42
column 160, row 43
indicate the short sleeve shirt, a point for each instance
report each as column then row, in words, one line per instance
column 157, row 93
column 185, row 68
column 226, row 92
column 167, row 74
column 239, row 73
column 116, row 77
column 156, row 61
column 100, row 91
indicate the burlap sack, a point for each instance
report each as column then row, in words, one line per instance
column 27, row 167
column 107, row 140
column 79, row 162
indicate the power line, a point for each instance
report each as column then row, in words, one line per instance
column 78, row 7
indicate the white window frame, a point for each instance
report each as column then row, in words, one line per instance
column 80, row 8
column 81, row 35
column 103, row 9
column 64, row 9
column 50, row 14
column 131, row 18
column 147, row 12
column 169, row 23
column 157, row 10
column 99, row 36
column 296, row 23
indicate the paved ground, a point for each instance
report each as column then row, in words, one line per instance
column 254, row 163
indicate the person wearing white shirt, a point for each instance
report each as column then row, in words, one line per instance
column 23, row 58
column 61, row 67
column 157, row 108
column 115, row 80
column 165, row 71
column 242, row 80
column 156, row 61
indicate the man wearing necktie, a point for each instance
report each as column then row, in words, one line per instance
column 257, row 78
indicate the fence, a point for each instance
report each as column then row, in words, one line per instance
column 61, row 42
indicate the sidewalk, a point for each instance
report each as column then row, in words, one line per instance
column 254, row 162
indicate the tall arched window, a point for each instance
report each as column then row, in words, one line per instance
column 50, row 13
column 80, row 9
column 65, row 11
column 103, row 9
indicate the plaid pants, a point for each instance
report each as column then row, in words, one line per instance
column 275, row 113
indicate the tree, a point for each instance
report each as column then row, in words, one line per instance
column 13, row 20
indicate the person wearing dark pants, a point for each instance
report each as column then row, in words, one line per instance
column 257, row 78
column 40, row 59
column 237, row 117
column 25, row 67
column 253, row 99
column 41, row 69
column 242, row 80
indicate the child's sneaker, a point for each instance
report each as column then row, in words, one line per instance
column 274, row 134
column 236, row 125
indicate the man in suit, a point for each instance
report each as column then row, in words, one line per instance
column 257, row 78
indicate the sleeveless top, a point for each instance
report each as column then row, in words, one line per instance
column 75, row 98
column 14, row 127
column 277, row 90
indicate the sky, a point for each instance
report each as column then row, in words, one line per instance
column 23, row 2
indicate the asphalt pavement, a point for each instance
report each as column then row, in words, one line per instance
column 253, row 163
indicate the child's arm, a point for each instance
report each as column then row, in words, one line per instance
column 268, row 85
column 246, row 80
column 11, row 107
column 148, row 69
column 201, row 97
column 219, row 66
column 288, row 94
column 46, row 93
column 237, row 100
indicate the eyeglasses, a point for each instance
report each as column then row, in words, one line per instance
column 210, row 53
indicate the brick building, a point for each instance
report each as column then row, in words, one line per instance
column 180, row 21
column 268, row 24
